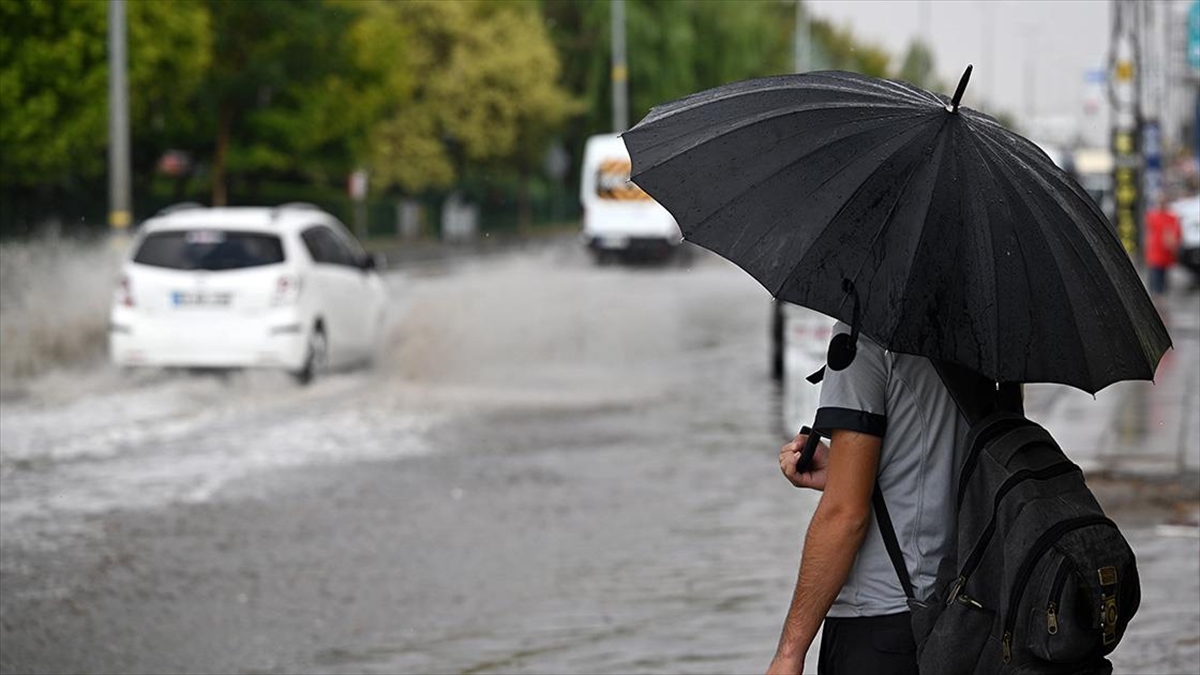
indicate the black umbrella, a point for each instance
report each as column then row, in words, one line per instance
column 962, row 240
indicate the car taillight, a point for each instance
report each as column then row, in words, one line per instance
column 124, row 292
column 287, row 290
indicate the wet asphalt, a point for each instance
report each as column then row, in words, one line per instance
column 552, row 467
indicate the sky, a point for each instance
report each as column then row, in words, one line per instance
column 1045, row 47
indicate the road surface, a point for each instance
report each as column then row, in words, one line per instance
column 552, row 467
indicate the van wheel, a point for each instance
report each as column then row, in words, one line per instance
column 317, row 359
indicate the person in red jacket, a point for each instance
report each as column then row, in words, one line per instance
column 1163, row 234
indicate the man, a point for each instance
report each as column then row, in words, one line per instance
column 889, row 418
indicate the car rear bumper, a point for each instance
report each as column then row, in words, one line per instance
column 629, row 244
column 277, row 339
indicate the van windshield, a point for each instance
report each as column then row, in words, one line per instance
column 209, row 250
column 612, row 182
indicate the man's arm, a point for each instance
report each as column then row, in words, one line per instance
column 834, row 536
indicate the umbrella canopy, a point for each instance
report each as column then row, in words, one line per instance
column 963, row 240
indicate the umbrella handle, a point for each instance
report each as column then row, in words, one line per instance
column 804, row 464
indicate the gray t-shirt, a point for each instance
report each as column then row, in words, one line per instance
column 901, row 399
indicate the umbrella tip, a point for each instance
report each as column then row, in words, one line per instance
column 962, row 87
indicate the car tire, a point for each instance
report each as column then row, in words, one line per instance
column 316, row 360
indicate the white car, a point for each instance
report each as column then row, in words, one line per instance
column 285, row 287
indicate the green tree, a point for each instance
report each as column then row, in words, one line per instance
column 53, row 90
column 673, row 49
column 170, row 51
column 54, row 82
column 839, row 49
column 281, row 73
column 54, row 99
column 677, row 48
column 918, row 67
column 484, row 91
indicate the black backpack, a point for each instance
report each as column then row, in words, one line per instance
column 1037, row 578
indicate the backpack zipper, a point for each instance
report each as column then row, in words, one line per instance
column 1045, row 473
column 977, row 449
column 1043, row 543
column 1060, row 579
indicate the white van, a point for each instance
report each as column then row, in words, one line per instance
column 619, row 219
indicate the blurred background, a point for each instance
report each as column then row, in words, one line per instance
column 560, row 455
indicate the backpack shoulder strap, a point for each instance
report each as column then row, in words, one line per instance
column 890, row 542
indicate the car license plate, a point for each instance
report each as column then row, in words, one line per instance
column 610, row 241
column 200, row 299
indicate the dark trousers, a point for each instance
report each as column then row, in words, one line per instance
column 1158, row 280
column 871, row 645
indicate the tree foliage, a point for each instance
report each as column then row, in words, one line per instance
column 841, row 50
column 485, row 91
column 677, row 48
column 673, row 48
column 52, row 89
column 278, row 87
column 421, row 92
column 54, row 80
column 918, row 67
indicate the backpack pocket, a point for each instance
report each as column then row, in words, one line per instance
column 1061, row 615
column 957, row 638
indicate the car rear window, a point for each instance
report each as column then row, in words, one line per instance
column 209, row 250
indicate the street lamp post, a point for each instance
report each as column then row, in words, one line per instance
column 620, row 72
column 119, row 215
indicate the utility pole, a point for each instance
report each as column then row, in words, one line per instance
column 620, row 72
column 989, row 51
column 1126, row 119
column 119, row 215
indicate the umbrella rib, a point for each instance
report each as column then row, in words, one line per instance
column 887, row 221
column 1093, row 238
column 1004, row 173
column 1094, row 246
column 815, row 81
column 848, row 201
column 744, row 193
column 742, row 123
column 941, row 144
column 995, row 286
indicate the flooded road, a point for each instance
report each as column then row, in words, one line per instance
column 552, row 467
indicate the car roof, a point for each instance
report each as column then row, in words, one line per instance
column 283, row 219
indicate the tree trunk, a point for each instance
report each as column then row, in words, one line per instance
column 220, row 195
